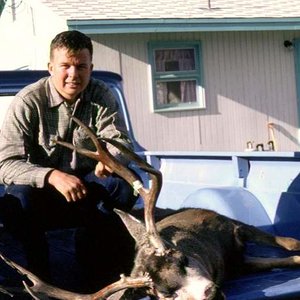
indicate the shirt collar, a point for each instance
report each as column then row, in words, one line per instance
column 55, row 99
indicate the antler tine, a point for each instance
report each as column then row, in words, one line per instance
column 150, row 196
column 42, row 290
column 123, row 283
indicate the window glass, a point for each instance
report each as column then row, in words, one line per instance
column 175, row 92
column 168, row 60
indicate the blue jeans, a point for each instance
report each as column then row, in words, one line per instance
column 29, row 212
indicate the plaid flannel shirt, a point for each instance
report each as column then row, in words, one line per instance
column 38, row 115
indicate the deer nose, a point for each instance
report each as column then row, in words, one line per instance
column 171, row 298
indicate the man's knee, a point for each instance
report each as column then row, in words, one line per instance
column 21, row 194
column 118, row 193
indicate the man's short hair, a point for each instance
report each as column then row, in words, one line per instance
column 72, row 40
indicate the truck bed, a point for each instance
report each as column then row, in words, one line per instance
column 258, row 188
column 275, row 284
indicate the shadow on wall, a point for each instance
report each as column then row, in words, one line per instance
column 279, row 128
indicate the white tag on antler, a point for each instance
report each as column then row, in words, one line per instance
column 136, row 186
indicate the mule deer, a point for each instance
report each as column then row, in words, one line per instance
column 186, row 255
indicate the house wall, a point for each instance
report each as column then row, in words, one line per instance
column 249, row 81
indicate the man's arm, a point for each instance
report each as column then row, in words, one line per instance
column 71, row 187
column 15, row 135
column 15, row 165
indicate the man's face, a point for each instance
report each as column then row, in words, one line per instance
column 70, row 72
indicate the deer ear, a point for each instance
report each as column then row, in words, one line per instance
column 135, row 227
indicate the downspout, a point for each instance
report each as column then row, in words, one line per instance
column 296, row 43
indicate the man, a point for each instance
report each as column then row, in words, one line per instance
column 49, row 186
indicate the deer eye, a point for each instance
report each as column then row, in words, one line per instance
column 184, row 261
column 170, row 294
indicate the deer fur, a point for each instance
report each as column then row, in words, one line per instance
column 203, row 249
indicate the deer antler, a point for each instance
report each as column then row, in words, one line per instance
column 149, row 195
column 42, row 290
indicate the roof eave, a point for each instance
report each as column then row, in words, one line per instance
column 182, row 25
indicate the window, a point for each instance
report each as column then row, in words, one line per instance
column 177, row 76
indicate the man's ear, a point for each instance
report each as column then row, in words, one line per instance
column 50, row 68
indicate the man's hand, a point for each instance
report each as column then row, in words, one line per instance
column 68, row 185
column 102, row 171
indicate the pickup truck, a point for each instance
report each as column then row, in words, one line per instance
column 261, row 188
